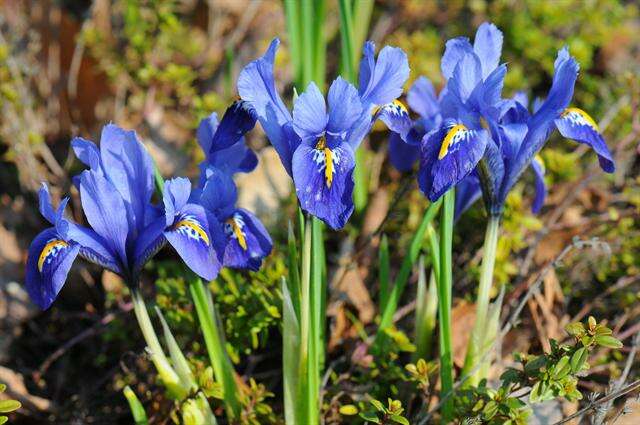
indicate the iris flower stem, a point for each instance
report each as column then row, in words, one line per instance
column 445, row 284
column 214, row 341
column 144, row 321
column 308, row 354
column 477, row 339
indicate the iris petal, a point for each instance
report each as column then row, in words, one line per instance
column 310, row 113
column 48, row 263
column 130, row 169
column 541, row 189
column 454, row 50
column 402, row 155
column 577, row 125
column 189, row 235
column 248, row 241
column 381, row 80
column 422, row 98
column 332, row 203
column 488, row 46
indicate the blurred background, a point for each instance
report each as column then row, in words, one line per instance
column 159, row 66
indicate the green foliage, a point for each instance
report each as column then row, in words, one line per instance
column 7, row 406
column 543, row 377
column 378, row 413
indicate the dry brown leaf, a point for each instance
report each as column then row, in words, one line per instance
column 463, row 317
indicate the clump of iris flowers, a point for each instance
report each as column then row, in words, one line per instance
column 125, row 228
column 316, row 143
column 245, row 240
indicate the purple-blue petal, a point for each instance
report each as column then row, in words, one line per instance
column 189, row 235
column 248, row 241
column 541, row 189
column 344, row 108
column 105, row 211
column 175, row 196
column 381, row 80
column 256, row 85
column 441, row 168
column 130, row 169
column 48, row 263
column 454, row 51
column 330, row 202
column 310, row 114
column 402, row 155
column 574, row 125
column 422, row 98
column 468, row 191
column 488, row 47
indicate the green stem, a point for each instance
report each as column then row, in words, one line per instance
column 444, row 297
column 214, row 340
column 476, row 341
column 293, row 28
column 307, row 344
column 307, row 49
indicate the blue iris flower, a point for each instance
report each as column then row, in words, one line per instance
column 126, row 230
column 245, row 241
column 485, row 142
column 470, row 105
column 316, row 143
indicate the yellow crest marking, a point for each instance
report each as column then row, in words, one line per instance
column 194, row 226
column 328, row 161
column 444, row 148
column 583, row 114
column 400, row 105
column 238, row 232
column 50, row 246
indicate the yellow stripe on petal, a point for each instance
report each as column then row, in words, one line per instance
column 582, row 115
column 51, row 248
column 448, row 139
column 190, row 224
column 328, row 160
column 238, row 232
column 400, row 105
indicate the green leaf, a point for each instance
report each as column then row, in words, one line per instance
column 3, row 420
column 7, row 406
column 574, row 329
column 214, row 341
column 348, row 410
column 578, row 359
column 137, row 410
column 378, row 405
column 562, row 368
column 290, row 357
column 535, row 364
column 490, row 410
column 608, row 341
column 399, row 419
column 383, row 271
column 177, row 357
column 370, row 417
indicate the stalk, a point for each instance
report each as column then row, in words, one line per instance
column 476, row 341
column 214, row 341
column 307, row 50
column 310, row 392
column 167, row 374
column 444, row 300
column 293, row 29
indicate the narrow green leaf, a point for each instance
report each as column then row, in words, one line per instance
column 399, row 419
column 292, row 15
column 405, row 270
column 562, row 368
column 383, row 271
column 294, row 271
column 137, row 410
column 290, row 357
column 180, row 363
column 445, row 284
column 214, row 341
column 7, row 406
column 361, row 19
